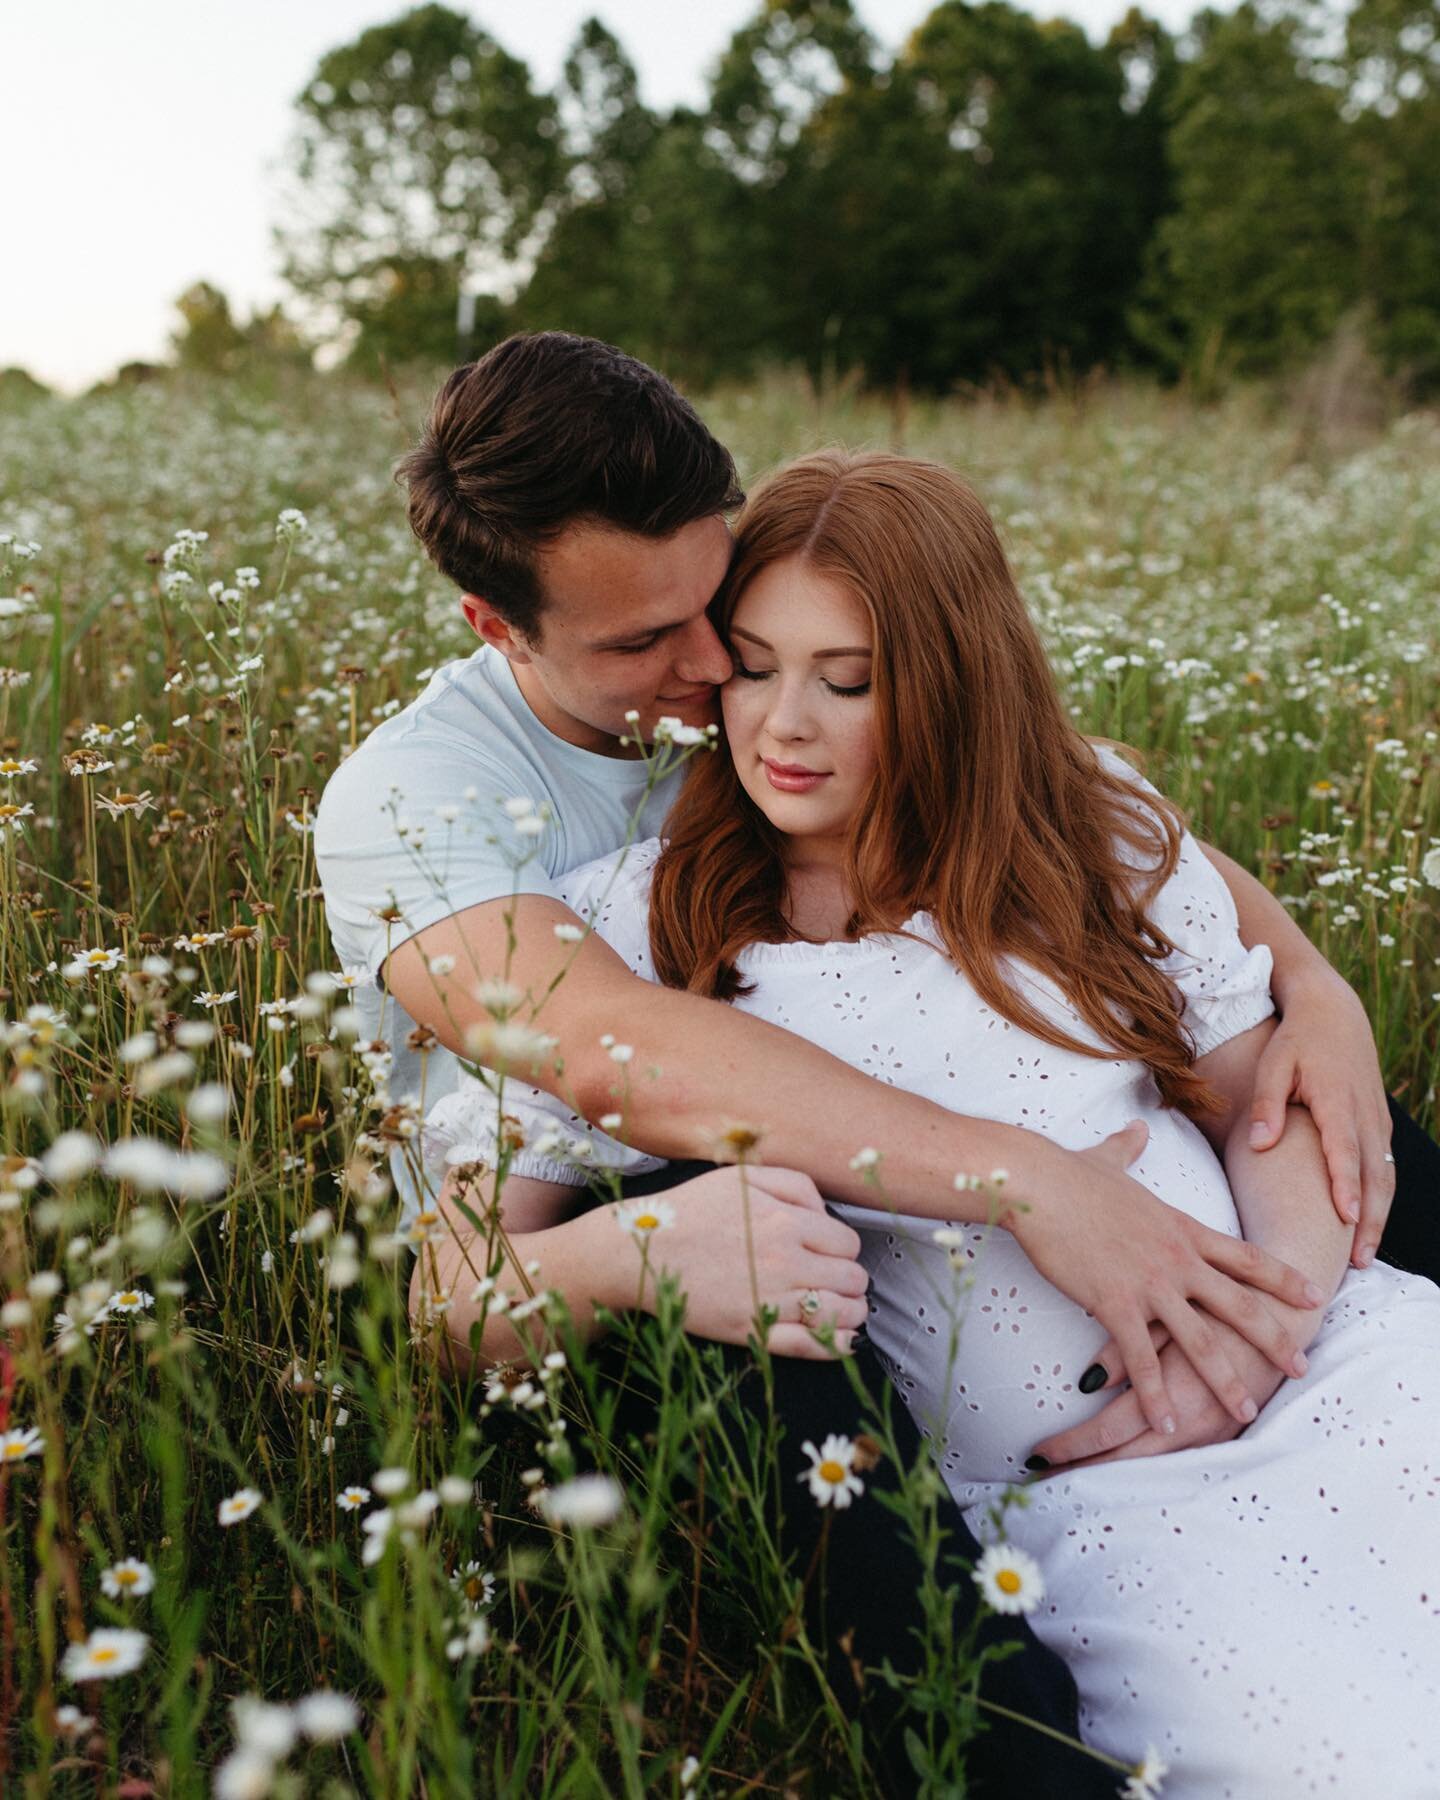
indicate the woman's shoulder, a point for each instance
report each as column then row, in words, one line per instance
column 1114, row 759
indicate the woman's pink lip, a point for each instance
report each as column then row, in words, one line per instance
column 792, row 779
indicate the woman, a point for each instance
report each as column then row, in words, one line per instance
column 910, row 856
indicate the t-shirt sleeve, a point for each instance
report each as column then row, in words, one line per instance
column 1225, row 987
column 406, row 838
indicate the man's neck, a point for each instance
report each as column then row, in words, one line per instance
column 561, row 724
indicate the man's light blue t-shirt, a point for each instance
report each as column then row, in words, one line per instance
column 410, row 830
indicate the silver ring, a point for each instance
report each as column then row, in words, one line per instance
column 1388, row 1157
column 809, row 1302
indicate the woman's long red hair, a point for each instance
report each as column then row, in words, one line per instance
column 987, row 810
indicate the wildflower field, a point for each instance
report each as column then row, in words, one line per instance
column 250, row 1541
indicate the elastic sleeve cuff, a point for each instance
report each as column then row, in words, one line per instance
column 1243, row 1003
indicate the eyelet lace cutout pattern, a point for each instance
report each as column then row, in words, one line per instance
column 1265, row 1611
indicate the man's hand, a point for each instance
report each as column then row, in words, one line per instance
column 1121, row 1430
column 1323, row 1055
column 1132, row 1261
column 758, row 1237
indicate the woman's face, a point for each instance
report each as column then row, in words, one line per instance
column 799, row 717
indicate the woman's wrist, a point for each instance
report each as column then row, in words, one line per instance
column 1301, row 976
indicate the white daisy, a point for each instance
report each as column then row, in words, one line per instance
column 832, row 1477
column 1144, row 1782
column 325, row 1716
column 15, row 1446
column 472, row 1640
column 129, row 1300
column 352, row 1498
column 587, row 1500
column 238, row 1506
column 643, row 1217
column 127, row 1578
column 474, row 1584
column 70, row 1721
column 104, row 1655
column 1009, row 1579
column 245, row 1774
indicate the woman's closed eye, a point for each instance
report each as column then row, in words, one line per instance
column 850, row 693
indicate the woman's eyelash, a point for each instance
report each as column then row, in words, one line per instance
column 847, row 693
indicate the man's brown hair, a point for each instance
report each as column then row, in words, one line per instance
column 545, row 431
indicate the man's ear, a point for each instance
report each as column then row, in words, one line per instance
column 491, row 629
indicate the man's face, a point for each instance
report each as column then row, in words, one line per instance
column 623, row 627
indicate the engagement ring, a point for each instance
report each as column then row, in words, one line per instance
column 1388, row 1157
column 809, row 1302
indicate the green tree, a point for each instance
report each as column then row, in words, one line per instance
column 1260, row 258
column 211, row 340
column 207, row 338
column 582, row 275
column 980, row 206
column 1393, row 55
column 424, row 160
column 649, row 248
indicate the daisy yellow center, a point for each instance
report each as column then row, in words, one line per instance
column 104, row 1654
column 8, row 812
column 646, row 1221
column 1008, row 1582
column 832, row 1472
column 129, row 1299
column 474, row 1587
column 14, row 1451
column 126, row 1577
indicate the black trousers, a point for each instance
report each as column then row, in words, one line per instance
column 873, row 1572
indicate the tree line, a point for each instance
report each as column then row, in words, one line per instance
column 998, row 198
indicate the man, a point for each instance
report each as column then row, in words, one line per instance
column 578, row 504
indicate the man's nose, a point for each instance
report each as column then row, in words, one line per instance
column 703, row 658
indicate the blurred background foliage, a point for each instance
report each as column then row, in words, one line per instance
column 1001, row 201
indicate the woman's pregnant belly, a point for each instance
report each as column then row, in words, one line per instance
column 987, row 1353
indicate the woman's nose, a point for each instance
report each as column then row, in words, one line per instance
column 703, row 658
column 788, row 716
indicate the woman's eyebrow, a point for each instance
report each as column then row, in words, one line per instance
column 819, row 656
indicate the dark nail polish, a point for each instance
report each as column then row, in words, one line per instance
column 1036, row 1463
column 1094, row 1377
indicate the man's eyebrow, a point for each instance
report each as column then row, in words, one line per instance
column 637, row 635
column 819, row 656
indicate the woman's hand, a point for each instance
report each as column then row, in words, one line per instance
column 1130, row 1260
column 1121, row 1429
column 1323, row 1055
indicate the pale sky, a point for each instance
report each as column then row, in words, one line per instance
column 139, row 139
